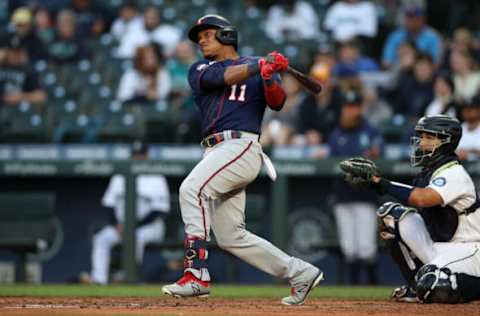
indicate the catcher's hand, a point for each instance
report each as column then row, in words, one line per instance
column 359, row 171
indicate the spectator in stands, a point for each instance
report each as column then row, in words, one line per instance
column 355, row 208
column 348, row 19
column 67, row 47
column 348, row 79
column 462, row 40
column 22, row 25
column 414, row 90
column 279, row 128
column 179, row 64
column 128, row 20
column 18, row 82
column 469, row 146
column 43, row 25
column 148, row 81
column 292, row 20
column 181, row 96
column 92, row 19
column 407, row 56
column 318, row 114
column 152, row 31
column 425, row 38
column 349, row 56
column 152, row 205
column 443, row 102
column 465, row 74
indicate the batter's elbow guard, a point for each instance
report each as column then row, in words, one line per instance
column 274, row 95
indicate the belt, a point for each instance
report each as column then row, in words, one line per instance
column 214, row 139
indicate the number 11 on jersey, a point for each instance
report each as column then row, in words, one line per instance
column 241, row 96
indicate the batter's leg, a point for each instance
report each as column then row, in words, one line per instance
column 226, row 167
column 228, row 224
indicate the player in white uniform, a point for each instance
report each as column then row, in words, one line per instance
column 435, row 240
column 153, row 202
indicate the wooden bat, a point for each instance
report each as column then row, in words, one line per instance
column 310, row 84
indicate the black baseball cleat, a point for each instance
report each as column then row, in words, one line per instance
column 405, row 294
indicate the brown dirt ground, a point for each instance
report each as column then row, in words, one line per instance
column 76, row 306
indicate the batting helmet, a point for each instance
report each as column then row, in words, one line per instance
column 446, row 128
column 226, row 32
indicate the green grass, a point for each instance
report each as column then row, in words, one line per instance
column 226, row 291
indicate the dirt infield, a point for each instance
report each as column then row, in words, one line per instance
column 40, row 306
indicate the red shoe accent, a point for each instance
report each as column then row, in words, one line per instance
column 292, row 291
column 189, row 277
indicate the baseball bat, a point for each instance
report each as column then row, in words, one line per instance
column 310, row 84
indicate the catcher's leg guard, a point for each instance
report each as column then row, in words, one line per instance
column 441, row 285
column 390, row 214
column 437, row 285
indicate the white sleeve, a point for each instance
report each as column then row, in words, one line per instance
column 114, row 189
column 273, row 24
column 126, row 87
column 309, row 20
column 164, row 85
column 370, row 20
column 159, row 194
column 451, row 183
column 118, row 28
column 330, row 18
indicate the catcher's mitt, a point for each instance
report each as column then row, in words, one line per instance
column 359, row 171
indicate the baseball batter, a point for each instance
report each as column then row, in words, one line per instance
column 231, row 93
column 435, row 240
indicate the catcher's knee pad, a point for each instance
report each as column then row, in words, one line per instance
column 437, row 285
column 196, row 253
column 390, row 214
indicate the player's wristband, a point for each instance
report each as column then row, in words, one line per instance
column 399, row 191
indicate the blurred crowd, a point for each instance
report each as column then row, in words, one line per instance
column 402, row 59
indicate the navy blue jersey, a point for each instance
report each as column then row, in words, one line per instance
column 349, row 143
column 227, row 107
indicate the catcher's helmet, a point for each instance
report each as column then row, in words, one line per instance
column 446, row 128
column 226, row 32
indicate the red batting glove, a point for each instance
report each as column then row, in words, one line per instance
column 279, row 62
column 266, row 69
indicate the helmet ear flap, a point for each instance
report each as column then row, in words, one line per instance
column 227, row 36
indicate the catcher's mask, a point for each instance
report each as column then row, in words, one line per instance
column 446, row 129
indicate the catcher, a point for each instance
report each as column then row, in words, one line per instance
column 433, row 231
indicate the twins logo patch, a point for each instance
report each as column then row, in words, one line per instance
column 201, row 67
column 439, row 182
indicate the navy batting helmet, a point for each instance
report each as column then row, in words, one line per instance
column 446, row 128
column 226, row 32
